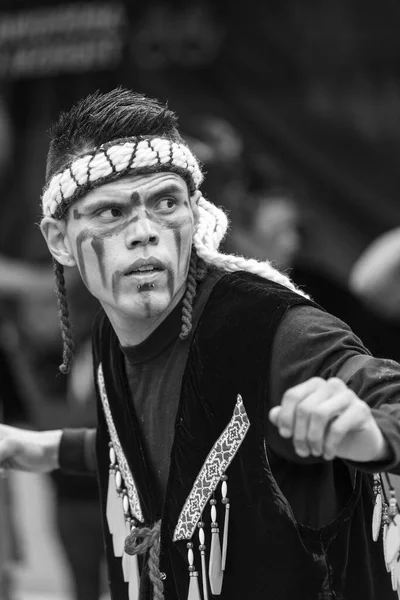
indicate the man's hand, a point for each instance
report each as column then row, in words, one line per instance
column 35, row 451
column 326, row 418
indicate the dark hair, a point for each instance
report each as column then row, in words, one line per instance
column 100, row 118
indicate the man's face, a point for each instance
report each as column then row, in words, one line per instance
column 131, row 240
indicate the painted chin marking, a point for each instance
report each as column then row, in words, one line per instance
column 145, row 287
column 171, row 283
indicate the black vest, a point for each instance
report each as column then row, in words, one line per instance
column 269, row 555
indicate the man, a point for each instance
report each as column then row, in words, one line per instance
column 231, row 455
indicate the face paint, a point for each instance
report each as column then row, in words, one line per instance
column 135, row 200
column 97, row 243
column 145, row 287
column 170, row 282
column 115, row 283
column 98, row 247
column 82, row 236
column 178, row 243
column 162, row 231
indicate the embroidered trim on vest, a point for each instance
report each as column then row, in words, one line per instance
column 133, row 495
column 215, row 465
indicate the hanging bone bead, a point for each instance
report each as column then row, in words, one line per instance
column 113, row 458
column 125, row 556
column 215, row 572
column 134, row 578
column 118, row 481
column 385, row 526
column 194, row 590
column 392, row 542
column 118, row 518
column 377, row 517
column 202, row 548
column 112, row 495
column 225, row 501
column 377, row 512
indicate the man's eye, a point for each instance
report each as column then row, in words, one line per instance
column 110, row 213
column 166, row 204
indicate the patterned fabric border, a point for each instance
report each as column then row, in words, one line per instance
column 216, row 463
column 133, row 496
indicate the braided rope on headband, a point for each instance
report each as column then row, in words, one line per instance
column 114, row 160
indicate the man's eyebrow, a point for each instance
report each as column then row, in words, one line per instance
column 105, row 202
column 171, row 188
column 124, row 197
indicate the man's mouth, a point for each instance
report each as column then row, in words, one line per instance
column 145, row 268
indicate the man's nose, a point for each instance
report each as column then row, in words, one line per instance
column 140, row 232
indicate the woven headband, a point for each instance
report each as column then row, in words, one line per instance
column 114, row 160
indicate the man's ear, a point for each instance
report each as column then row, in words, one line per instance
column 194, row 202
column 55, row 233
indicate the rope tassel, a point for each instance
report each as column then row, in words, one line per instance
column 139, row 541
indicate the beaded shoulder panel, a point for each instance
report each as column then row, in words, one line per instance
column 131, row 489
column 218, row 460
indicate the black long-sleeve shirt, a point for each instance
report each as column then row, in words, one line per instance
column 309, row 342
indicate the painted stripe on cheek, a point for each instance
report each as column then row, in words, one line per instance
column 171, row 282
column 81, row 261
column 98, row 247
column 178, row 243
column 115, row 283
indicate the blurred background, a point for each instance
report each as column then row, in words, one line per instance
column 294, row 109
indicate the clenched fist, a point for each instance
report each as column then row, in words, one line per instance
column 326, row 418
column 35, row 451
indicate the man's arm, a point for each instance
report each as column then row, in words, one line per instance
column 25, row 450
column 45, row 451
column 326, row 418
column 313, row 344
column 77, row 452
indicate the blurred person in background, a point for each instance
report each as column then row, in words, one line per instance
column 375, row 276
column 12, row 411
column 51, row 401
column 29, row 352
column 220, row 146
column 13, row 408
column 274, row 224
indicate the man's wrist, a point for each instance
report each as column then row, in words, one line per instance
column 52, row 442
column 383, row 452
